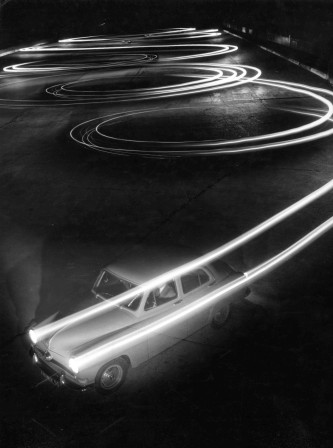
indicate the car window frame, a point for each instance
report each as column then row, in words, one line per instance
column 211, row 279
column 99, row 278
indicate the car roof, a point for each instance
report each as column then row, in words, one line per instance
column 142, row 265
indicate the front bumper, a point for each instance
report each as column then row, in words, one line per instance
column 56, row 376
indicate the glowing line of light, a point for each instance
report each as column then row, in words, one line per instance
column 163, row 33
column 216, row 79
column 111, row 348
column 215, row 49
column 36, row 67
column 180, row 33
column 85, row 133
column 166, row 32
column 44, row 331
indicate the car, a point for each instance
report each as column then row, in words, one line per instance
column 53, row 353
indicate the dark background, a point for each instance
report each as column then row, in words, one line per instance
column 307, row 23
column 35, row 19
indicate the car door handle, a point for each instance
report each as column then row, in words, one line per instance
column 178, row 301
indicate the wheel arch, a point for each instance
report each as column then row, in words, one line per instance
column 127, row 359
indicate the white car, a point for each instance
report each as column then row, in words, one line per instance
column 52, row 354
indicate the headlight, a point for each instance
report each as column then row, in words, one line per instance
column 72, row 363
column 33, row 337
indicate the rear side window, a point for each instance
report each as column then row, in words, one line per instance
column 222, row 268
column 194, row 280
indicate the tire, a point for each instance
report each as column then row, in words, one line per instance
column 111, row 376
column 220, row 315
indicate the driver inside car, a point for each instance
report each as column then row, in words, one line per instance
column 165, row 293
column 161, row 295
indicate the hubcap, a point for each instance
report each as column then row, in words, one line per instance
column 111, row 376
column 221, row 316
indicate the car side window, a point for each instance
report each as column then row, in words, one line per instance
column 161, row 295
column 194, row 280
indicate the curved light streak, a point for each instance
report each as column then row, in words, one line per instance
column 166, row 34
column 128, row 60
column 214, row 78
column 112, row 348
column 209, row 50
column 90, row 134
column 46, row 330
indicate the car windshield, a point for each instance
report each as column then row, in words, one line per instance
column 110, row 285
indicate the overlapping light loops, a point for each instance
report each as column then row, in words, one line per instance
column 99, row 62
column 165, row 54
column 161, row 63
column 97, row 133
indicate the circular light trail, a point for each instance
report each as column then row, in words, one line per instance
column 151, row 42
column 99, row 62
column 196, row 78
column 166, row 34
column 210, row 78
column 200, row 50
column 95, row 133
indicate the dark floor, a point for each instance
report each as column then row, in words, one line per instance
column 262, row 381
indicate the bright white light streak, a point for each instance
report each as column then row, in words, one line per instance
column 86, row 132
column 42, row 332
column 215, row 49
column 165, row 32
column 102, row 61
column 177, row 33
column 213, row 79
column 113, row 347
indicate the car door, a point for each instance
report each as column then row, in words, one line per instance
column 160, row 303
column 195, row 285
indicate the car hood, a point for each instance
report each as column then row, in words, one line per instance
column 69, row 338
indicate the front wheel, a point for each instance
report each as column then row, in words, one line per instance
column 220, row 315
column 111, row 376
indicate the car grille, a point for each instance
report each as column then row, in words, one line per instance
column 41, row 356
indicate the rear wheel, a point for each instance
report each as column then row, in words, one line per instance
column 220, row 315
column 111, row 376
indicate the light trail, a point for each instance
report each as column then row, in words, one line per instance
column 167, row 34
column 111, row 348
column 100, row 62
column 142, row 42
column 209, row 50
column 210, row 78
column 90, row 134
column 40, row 333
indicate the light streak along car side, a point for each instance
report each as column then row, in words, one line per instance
column 52, row 354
